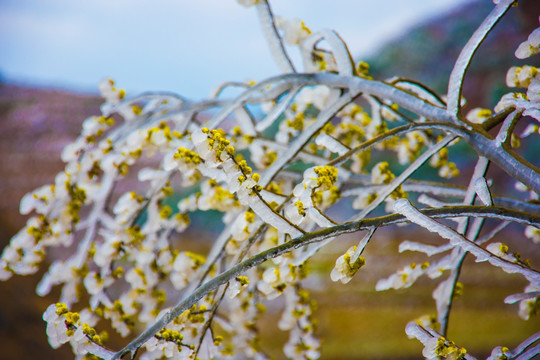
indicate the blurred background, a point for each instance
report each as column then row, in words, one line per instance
column 53, row 54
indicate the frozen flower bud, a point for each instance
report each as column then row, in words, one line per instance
column 500, row 250
column 529, row 307
column 519, row 186
column 295, row 213
column 478, row 115
column 127, row 205
column 273, row 282
column 71, row 152
column 521, row 76
column 37, row 200
column 381, row 174
column 237, row 285
column 526, row 75
column 346, row 267
column 448, row 170
column 403, row 278
column 533, row 233
column 499, row 353
column 109, row 92
column 525, row 50
column 529, row 130
column 511, row 77
column 294, row 31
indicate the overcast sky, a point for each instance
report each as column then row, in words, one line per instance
column 185, row 46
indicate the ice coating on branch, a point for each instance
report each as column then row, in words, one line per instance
column 522, row 296
column 265, row 212
column 430, row 201
column 404, row 207
column 482, row 190
column 331, row 144
column 273, row 111
column 429, row 250
column 362, row 244
column 441, row 295
column 414, row 331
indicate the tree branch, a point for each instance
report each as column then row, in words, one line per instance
column 313, row 237
column 455, row 83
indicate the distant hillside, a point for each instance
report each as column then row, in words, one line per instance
column 428, row 51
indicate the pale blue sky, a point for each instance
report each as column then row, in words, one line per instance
column 185, row 46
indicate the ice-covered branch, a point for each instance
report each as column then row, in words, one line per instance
column 455, row 83
column 275, row 43
column 404, row 207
